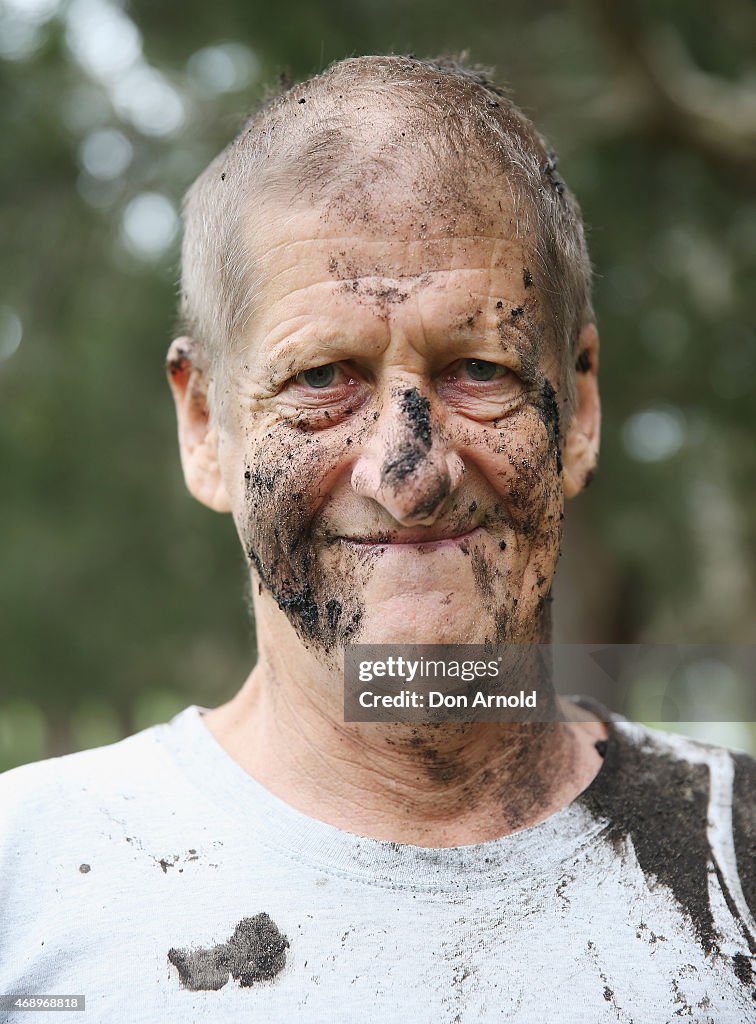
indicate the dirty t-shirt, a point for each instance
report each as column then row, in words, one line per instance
column 159, row 880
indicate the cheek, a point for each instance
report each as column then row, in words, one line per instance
column 284, row 478
column 520, row 465
column 279, row 486
column 520, row 462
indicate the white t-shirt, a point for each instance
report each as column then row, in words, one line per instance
column 159, row 880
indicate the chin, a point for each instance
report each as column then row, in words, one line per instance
column 438, row 617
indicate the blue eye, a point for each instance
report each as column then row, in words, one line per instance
column 319, row 376
column 479, row 369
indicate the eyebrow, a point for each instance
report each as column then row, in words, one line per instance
column 280, row 361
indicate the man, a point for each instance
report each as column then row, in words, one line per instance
column 388, row 378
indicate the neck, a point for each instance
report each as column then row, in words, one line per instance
column 430, row 785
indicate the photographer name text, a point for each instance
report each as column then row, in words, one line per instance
column 437, row 699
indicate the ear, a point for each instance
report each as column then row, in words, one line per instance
column 198, row 442
column 581, row 444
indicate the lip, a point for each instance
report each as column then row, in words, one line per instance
column 413, row 539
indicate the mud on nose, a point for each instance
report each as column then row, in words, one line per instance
column 412, row 482
column 411, row 474
column 416, row 497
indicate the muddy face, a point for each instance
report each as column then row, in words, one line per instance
column 391, row 445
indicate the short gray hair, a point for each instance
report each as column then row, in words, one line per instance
column 308, row 134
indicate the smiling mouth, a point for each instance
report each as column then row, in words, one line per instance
column 413, row 539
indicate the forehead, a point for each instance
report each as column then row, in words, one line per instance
column 388, row 255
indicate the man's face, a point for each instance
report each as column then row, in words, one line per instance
column 391, row 449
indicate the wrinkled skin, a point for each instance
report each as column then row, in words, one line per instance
column 411, row 489
column 402, row 439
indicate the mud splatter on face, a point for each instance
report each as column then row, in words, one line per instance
column 255, row 952
column 528, row 515
column 411, row 450
column 405, row 457
column 539, row 350
column 402, row 461
column 484, row 573
column 416, row 409
column 384, row 297
column 316, row 505
column 549, row 413
column 284, row 540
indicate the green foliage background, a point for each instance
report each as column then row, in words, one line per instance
column 121, row 599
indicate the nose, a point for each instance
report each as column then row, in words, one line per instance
column 407, row 466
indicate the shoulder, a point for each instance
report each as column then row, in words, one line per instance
column 61, row 815
column 59, row 787
column 638, row 753
column 663, row 769
column 686, row 806
column 724, row 775
column 674, row 745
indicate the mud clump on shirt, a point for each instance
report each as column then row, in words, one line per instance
column 255, row 952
